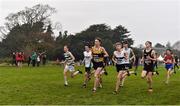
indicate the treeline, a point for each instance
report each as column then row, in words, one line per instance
column 78, row 41
column 31, row 30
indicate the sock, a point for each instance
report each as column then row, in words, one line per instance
column 100, row 85
column 102, row 72
column 94, row 88
column 75, row 73
column 131, row 72
column 154, row 73
column 65, row 80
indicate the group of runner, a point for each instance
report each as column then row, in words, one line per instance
column 18, row 58
column 36, row 58
column 123, row 56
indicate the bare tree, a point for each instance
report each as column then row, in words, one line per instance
column 38, row 13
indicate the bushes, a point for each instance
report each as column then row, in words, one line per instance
column 5, row 60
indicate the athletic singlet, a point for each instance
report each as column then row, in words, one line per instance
column 147, row 61
column 87, row 58
column 98, row 54
column 128, row 52
column 69, row 60
column 168, row 59
column 119, row 56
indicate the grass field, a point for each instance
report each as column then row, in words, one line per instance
column 44, row 85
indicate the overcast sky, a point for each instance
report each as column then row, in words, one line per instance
column 154, row 20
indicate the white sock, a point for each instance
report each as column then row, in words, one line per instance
column 65, row 80
column 131, row 72
column 100, row 85
column 102, row 72
column 75, row 73
column 154, row 72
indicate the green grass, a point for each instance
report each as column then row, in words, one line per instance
column 44, row 85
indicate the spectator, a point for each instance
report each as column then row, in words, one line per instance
column 33, row 58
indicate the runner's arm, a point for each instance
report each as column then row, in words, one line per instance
column 105, row 52
column 153, row 55
column 133, row 55
column 73, row 58
column 113, row 59
column 142, row 58
column 174, row 61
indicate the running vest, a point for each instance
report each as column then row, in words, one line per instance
column 98, row 54
column 128, row 52
column 147, row 61
column 119, row 56
column 69, row 60
column 87, row 58
column 168, row 59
